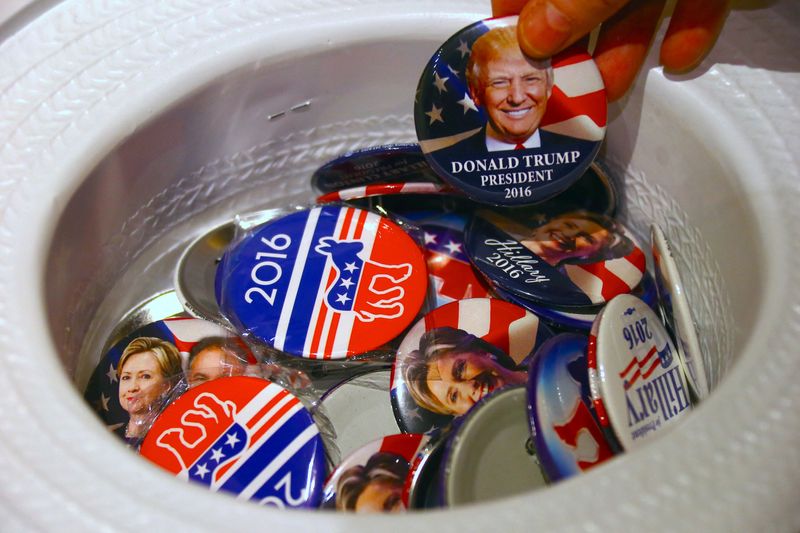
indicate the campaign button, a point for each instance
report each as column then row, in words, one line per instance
column 383, row 189
column 391, row 163
column 574, row 260
column 569, row 439
column 677, row 313
column 488, row 457
column 638, row 386
column 242, row 435
column 452, row 276
column 195, row 275
column 576, row 321
column 331, row 282
column 372, row 479
column 457, row 354
column 141, row 368
column 423, row 483
column 503, row 128
column 369, row 394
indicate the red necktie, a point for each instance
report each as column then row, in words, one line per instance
column 519, row 147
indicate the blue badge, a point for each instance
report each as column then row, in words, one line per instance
column 393, row 163
column 575, row 260
column 330, row 282
column 503, row 128
column 242, row 435
column 569, row 439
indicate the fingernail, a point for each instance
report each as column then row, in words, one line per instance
column 547, row 32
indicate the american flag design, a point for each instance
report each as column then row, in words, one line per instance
column 637, row 384
column 446, row 114
column 102, row 391
column 514, row 330
column 569, row 439
column 603, row 280
column 335, row 282
column 403, row 445
column 245, row 436
column 383, row 189
column 451, row 274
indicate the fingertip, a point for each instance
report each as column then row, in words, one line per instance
column 504, row 8
column 692, row 32
column 685, row 49
column 543, row 29
column 618, row 68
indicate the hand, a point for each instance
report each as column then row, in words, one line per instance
column 548, row 26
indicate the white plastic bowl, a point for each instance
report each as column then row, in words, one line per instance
column 129, row 127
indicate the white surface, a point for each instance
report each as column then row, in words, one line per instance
column 712, row 157
column 360, row 412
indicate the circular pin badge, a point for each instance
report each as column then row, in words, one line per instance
column 569, row 439
column 383, row 189
column 456, row 355
column 245, row 436
column 195, row 276
column 503, row 128
column 368, row 394
column 372, row 478
column 574, row 260
column 638, row 386
column 138, row 372
column 328, row 283
column 393, row 163
column 678, row 313
column 422, row 489
column 489, row 455
column 452, row 276
column 575, row 321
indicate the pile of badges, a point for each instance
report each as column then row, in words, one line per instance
column 451, row 322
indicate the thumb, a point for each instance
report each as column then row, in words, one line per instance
column 546, row 27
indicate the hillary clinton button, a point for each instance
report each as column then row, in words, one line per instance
column 456, row 355
column 574, row 260
column 488, row 456
column 373, row 478
column 140, row 371
column 391, row 163
column 577, row 321
column 245, row 436
column 569, row 439
column 637, row 384
column 503, row 128
column 678, row 313
column 328, row 283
